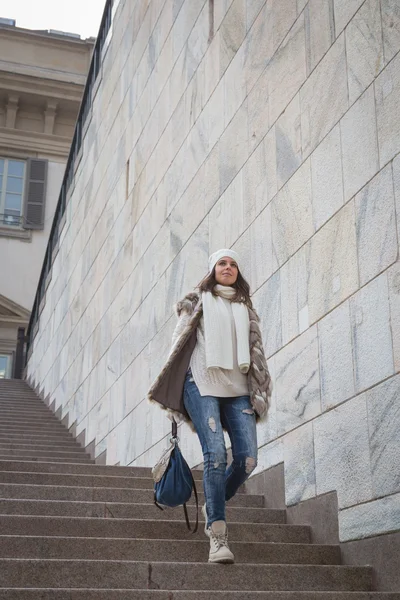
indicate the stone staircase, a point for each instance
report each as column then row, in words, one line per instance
column 74, row 530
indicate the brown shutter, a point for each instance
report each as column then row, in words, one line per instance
column 35, row 193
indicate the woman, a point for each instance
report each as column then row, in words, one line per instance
column 217, row 378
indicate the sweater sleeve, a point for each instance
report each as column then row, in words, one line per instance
column 183, row 320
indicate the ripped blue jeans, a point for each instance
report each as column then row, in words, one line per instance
column 209, row 415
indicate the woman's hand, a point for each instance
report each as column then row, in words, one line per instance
column 174, row 417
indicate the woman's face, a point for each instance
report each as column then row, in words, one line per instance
column 226, row 271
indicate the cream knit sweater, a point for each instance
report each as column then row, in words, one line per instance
column 221, row 383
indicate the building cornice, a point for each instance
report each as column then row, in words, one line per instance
column 14, row 321
column 34, row 71
column 40, row 86
column 33, row 143
column 47, row 39
column 18, row 314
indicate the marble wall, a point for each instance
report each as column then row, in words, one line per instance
column 271, row 127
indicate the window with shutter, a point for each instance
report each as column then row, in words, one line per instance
column 35, row 194
column 12, row 175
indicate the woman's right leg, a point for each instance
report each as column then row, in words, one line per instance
column 205, row 414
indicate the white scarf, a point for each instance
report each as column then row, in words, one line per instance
column 218, row 330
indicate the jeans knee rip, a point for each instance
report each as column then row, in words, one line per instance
column 216, row 461
column 219, row 461
column 248, row 411
column 212, row 424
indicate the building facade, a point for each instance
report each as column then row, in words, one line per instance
column 42, row 77
column 272, row 128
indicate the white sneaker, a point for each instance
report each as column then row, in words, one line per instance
column 219, row 549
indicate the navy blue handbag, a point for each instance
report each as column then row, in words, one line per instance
column 174, row 481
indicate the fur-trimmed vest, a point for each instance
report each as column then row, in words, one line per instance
column 167, row 389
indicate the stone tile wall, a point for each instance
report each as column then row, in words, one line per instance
column 272, row 127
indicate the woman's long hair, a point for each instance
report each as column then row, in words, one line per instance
column 242, row 288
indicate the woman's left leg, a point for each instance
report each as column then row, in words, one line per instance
column 238, row 418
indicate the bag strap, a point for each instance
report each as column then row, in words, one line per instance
column 174, row 435
column 197, row 508
column 156, row 503
column 174, row 432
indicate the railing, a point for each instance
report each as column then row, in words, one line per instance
column 11, row 220
column 19, row 354
column 84, row 110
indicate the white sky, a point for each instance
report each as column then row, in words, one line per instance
column 75, row 16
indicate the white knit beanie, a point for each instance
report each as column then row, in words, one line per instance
column 216, row 256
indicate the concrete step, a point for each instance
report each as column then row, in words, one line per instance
column 25, row 408
column 78, row 459
column 17, row 394
column 23, row 454
column 100, row 494
column 191, row 576
column 31, row 432
column 70, row 446
column 38, row 412
column 146, row 529
column 34, row 429
column 15, row 385
column 56, row 440
column 21, row 410
column 14, row 381
column 158, row 550
column 11, row 465
column 28, row 414
column 51, row 430
column 66, row 479
column 146, row 594
column 12, row 398
column 121, row 510
column 32, row 415
column 33, row 421
column 12, row 389
column 32, row 403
